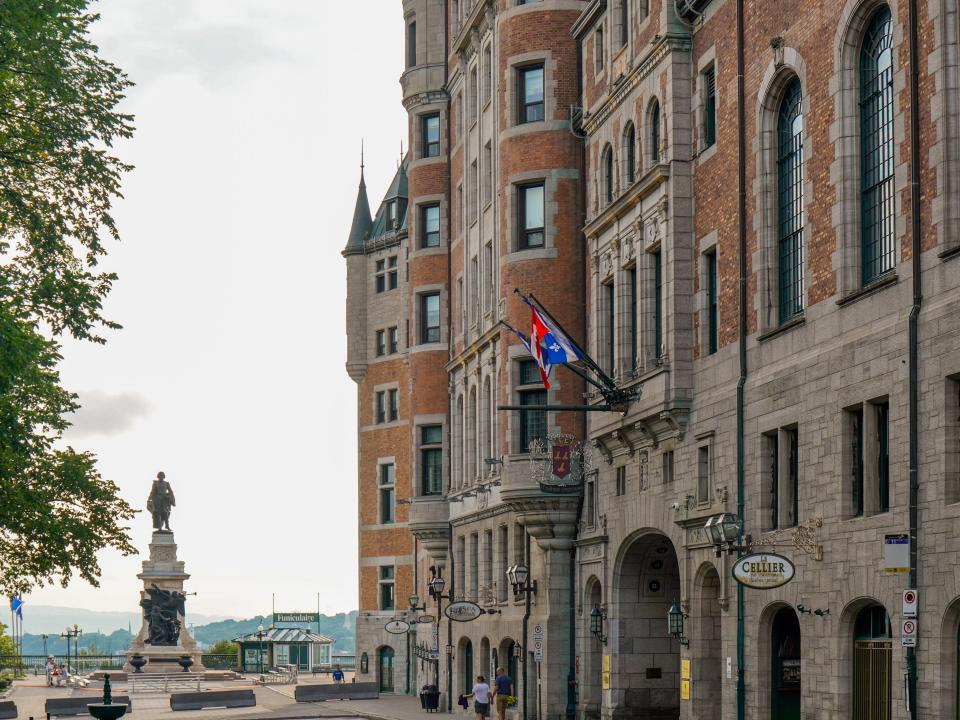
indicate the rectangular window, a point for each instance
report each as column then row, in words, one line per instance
column 387, row 494
column 610, row 325
column 431, row 135
column 772, row 444
column 487, row 174
column 528, row 372
column 503, row 551
column 882, row 420
column 488, row 270
column 633, row 299
column 590, row 502
column 487, row 576
column 713, row 328
column 855, row 429
column 530, row 94
column 474, row 565
column 431, row 460
column 533, row 423
column 461, row 555
column 709, row 107
column 381, row 410
column 657, row 306
column 394, row 405
column 392, row 340
column 621, row 488
column 487, row 74
column 391, row 215
column 668, row 467
column 387, row 596
column 473, row 192
column 624, row 22
column 430, row 226
column 952, row 432
column 460, row 207
column 381, row 276
column 703, row 474
column 411, row 44
column 381, row 343
column 392, row 274
column 792, row 437
column 473, row 96
column 598, row 50
column 531, row 220
column 430, row 318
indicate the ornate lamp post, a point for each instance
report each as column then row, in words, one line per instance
column 75, row 632
column 597, row 618
column 260, row 634
column 675, row 618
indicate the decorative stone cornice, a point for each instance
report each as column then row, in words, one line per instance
column 662, row 46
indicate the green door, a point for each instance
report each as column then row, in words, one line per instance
column 300, row 655
column 386, row 669
column 785, row 685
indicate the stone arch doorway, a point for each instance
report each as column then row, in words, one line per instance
column 506, row 658
column 465, row 660
column 646, row 672
column 872, row 664
column 485, row 668
column 705, row 642
column 785, row 655
column 385, row 668
column 591, row 672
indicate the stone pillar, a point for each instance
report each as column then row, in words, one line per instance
column 166, row 572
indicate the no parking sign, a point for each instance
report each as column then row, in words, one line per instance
column 910, row 603
column 908, row 637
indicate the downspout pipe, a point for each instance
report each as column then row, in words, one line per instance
column 913, row 328
column 741, row 383
column 526, row 622
column 449, row 460
column 453, row 583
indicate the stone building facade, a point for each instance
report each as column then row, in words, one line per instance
column 594, row 152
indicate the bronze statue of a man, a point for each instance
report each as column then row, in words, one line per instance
column 159, row 503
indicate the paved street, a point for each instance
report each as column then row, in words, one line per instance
column 273, row 703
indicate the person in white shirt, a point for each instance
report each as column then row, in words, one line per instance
column 481, row 698
column 49, row 668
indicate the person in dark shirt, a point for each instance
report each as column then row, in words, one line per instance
column 502, row 691
column 338, row 675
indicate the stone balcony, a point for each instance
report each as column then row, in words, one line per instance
column 430, row 524
column 551, row 519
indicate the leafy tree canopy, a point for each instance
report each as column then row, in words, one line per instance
column 58, row 178
column 224, row 647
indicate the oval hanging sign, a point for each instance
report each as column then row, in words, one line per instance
column 397, row 627
column 425, row 619
column 463, row 611
column 763, row 571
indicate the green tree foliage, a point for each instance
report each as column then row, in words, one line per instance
column 58, row 178
column 7, row 648
column 224, row 647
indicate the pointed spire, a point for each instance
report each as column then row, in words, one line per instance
column 362, row 221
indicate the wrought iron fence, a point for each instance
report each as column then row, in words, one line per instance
column 80, row 664
column 218, row 661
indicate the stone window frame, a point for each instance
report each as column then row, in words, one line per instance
column 951, row 431
column 418, row 138
column 486, row 81
column 599, row 52
column 381, row 486
column 706, row 61
column 516, row 353
column 381, row 582
column 551, row 209
column 417, row 293
column 708, row 246
column 765, row 259
column 649, row 161
column 456, row 442
column 776, row 440
column 385, row 388
column 871, row 480
column 515, row 63
column 416, row 217
column 845, row 133
column 608, row 176
column 705, row 441
column 420, row 422
column 629, row 171
column 410, row 54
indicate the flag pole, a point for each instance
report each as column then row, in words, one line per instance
column 591, row 363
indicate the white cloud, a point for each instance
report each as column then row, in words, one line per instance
column 104, row 413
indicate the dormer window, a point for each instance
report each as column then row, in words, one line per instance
column 392, row 215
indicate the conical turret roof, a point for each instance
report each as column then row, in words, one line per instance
column 362, row 221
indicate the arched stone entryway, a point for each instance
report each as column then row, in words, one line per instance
column 785, row 663
column 385, row 656
column 592, row 657
column 646, row 659
column 705, row 642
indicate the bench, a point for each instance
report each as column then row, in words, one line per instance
column 8, row 710
column 78, row 705
column 213, row 699
column 334, row 691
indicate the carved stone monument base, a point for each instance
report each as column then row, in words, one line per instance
column 164, row 571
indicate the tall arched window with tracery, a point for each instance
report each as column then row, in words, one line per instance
column 653, row 119
column 630, row 154
column 790, row 201
column 878, row 254
column 607, row 175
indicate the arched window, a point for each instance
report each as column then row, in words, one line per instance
column 472, row 437
column 607, row 175
column 457, row 480
column 872, row 661
column 630, row 154
column 878, row 254
column 385, row 669
column 488, row 412
column 654, row 121
column 790, row 201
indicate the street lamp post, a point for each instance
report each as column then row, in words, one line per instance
column 44, row 638
column 75, row 632
column 519, row 577
column 435, row 588
column 260, row 634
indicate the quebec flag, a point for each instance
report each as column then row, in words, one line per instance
column 549, row 345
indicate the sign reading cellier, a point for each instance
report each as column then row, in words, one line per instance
column 763, row 571
column 463, row 611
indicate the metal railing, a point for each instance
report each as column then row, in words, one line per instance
column 77, row 665
column 872, row 662
column 283, row 675
column 163, row 682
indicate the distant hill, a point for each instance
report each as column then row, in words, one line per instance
column 51, row 620
column 340, row 627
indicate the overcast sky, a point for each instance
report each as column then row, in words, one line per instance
column 229, row 372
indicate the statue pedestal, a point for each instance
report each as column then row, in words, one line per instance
column 164, row 571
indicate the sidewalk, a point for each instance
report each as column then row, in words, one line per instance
column 274, row 702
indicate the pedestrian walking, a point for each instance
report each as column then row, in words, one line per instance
column 338, row 675
column 502, row 691
column 49, row 667
column 481, row 698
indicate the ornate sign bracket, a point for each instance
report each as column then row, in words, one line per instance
column 805, row 537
